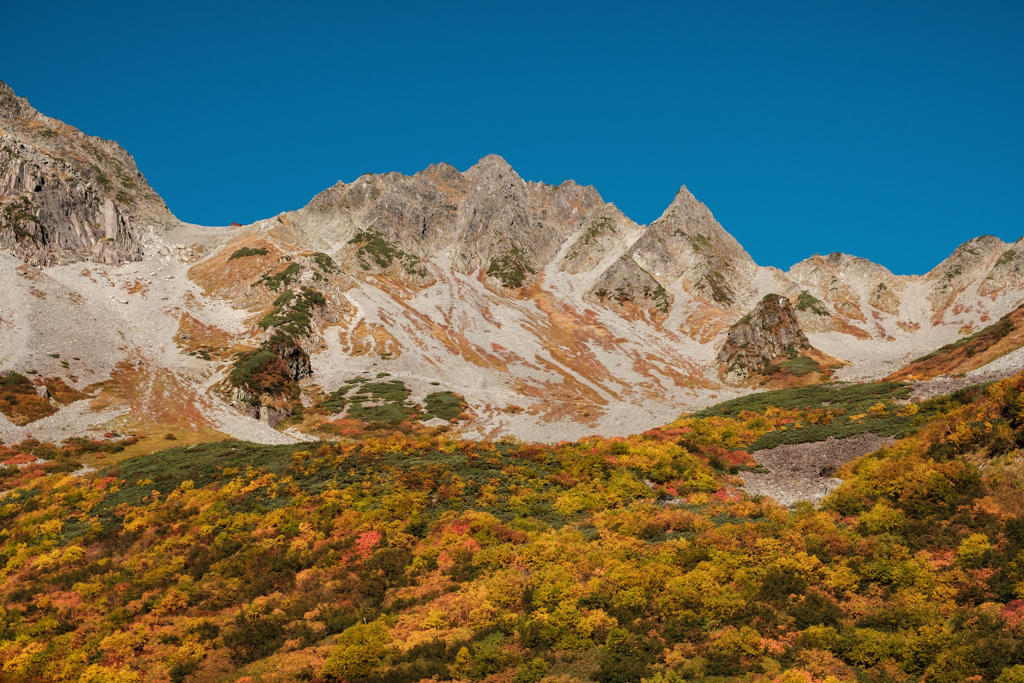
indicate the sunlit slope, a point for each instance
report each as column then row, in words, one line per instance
column 971, row 352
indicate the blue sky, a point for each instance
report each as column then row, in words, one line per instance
column 889, row 130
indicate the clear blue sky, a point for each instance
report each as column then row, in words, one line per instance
column 889, row 130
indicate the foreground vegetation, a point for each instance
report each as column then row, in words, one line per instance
column 400, row 556
column 808, row 414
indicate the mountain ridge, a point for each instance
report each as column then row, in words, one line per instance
column 544, row 306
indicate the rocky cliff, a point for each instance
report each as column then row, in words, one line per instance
column 769, row 344
column 66, row 196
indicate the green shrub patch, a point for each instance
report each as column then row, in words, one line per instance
column 248, row 251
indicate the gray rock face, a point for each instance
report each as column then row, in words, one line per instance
column 688, row 243
column 770, row 331
column 598, row 235
column 1008, row 271
column 52, row 217
column 627, row 283
column 969, row 263
column 486, row 219
column 65, row 196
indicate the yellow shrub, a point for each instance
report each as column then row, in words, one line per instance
column 972, row 549
column 97, row 673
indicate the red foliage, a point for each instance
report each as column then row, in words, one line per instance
column 459, row 528
column 20, row 459
column 534, row 452
column 272, row 377
column 506, row 535
column 366, row 542
column 1013, row 612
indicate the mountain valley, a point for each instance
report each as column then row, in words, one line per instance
column 459, row 426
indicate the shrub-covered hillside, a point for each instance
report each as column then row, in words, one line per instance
column 808, row 414
column 411, row 557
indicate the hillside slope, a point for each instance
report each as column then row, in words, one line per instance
column 413, row 557
column 970, row 353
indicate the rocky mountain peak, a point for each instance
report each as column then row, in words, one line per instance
column 838, row 259
column 833, row 270
column 690, row 216
column 686, row 243
column 492, row 169
column 969, row 263
column 442, row 173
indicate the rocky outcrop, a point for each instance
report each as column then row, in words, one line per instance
column 970, row 263
column 294, row 358
column 51, row 215
column 1008, row 271
column 66, row 196
column 769, row 332
column 626, row 283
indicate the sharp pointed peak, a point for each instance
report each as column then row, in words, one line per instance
column 491, row 162
column 685, row 198
column 493, row 169
column 684, row 204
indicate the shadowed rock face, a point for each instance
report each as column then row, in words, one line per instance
column 770, row 331
column 65, row 196
column 53, row 218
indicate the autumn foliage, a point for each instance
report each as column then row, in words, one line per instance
column 413, row 556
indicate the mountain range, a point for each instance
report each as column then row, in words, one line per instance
column 538, row 311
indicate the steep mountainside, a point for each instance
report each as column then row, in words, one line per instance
column 545, row 309
column 66, row 196
column 995, row 342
